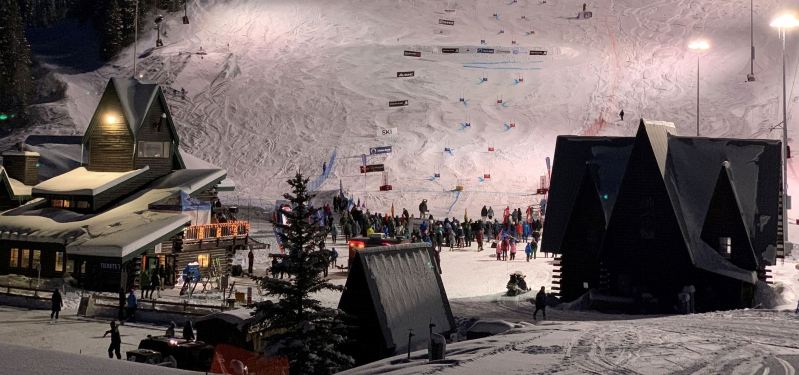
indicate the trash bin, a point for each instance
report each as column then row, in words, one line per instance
column 231, row 303
column 438, row 346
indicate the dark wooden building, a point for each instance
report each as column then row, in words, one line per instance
column 104, row 221
column 637, row 219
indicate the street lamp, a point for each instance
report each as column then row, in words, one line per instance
column 699, row 46
column 784, row 23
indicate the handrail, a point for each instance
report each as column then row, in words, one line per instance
column 6, row 289
column 185, row 304
column 218, row 230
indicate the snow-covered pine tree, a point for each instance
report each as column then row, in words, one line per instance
column 112, row 31
column 16, row 84
column 311, row 335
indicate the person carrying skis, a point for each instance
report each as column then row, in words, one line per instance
column 116, row 341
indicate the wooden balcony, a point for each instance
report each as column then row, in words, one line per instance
column 220, row 231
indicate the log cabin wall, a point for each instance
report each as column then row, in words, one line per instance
column 111, row 143
column 155, row 129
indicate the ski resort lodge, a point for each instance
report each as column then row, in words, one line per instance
column 123, row 200
column 638, row 219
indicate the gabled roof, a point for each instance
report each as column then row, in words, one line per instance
column 16, row 188
column 658, row 133
column 604, row 158
column 136, row 99
column 392, row 289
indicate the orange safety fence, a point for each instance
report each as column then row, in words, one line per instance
column 219, row 230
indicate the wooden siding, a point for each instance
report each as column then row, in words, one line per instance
column 154, row 129
column 47, row 258
column 22, row 168
column 120, row 191
column 110, row 145
column 6, row 202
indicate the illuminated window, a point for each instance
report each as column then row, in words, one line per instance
column 37, row 259
column 203, row 260
column 14, row 261
column 154, row 149
column 26, row 257
column 70, row 266
column 59, row 261
column 82, row 204
column 725, row 246
column 62, row 203
column 83, row 267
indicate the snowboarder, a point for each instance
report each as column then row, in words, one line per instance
column 116, row 340
column 251, row 259
column 188, row 330
column 57, row 303
column 541, row 303
column 621, row 115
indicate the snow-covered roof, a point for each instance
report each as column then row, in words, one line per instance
column 118, row 232
column 81, row 181
column 193, row 162
column 58, row 153
column 17, row 188
column 20, row 153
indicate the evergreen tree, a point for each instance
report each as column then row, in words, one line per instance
column 111, row 32
column 312, row 335
column 16, row 84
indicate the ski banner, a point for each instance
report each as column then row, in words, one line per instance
column 398, row 103
column 410, row 73
column 412, row 53
column 538, row 52
column 383, row 132
column 380, row 150
column 449, row 50
column 442, row 21
column 372, row 168
column 485, row 50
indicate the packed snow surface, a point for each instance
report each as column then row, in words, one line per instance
column 279, row 86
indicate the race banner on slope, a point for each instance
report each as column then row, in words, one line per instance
column 450, row 50
column 442, row 21
column 405, row 74
column 538, row 52
column 379, row 150
column 412, row 53
column 398, row 103
column 372, row 168
column 383, row 132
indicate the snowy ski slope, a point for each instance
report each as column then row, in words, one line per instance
column 277, row 86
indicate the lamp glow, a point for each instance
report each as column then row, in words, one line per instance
column 785, row 21
column 699, row 45
column 111, row 119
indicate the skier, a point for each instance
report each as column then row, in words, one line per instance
column 490, row 213
column 422, row 207
column 540, row 303
column 333, row 256
column 528, row 250
column 484, row 213
column 512, row 243
column 333, row 232
column 499, row 251
column 57, row 303
column 621, row 115
column 324, row 167
column 251, row 259
column 116, row 340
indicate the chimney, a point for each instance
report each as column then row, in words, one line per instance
column 22, row 166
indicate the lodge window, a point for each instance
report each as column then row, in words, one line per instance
column 14, row 260
column 203, row 260
column 725, row 246
column 36, row 261
column 59, row 261
column 70, row 266
column 62, row 203
column 82, row 204
column 25, row 259
column 154, row 149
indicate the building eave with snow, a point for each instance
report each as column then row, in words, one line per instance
column 644, row 216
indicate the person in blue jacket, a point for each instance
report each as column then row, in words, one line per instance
column 132, row 305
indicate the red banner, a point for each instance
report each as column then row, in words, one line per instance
column 231, row 360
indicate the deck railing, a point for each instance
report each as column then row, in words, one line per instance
column 217, row 231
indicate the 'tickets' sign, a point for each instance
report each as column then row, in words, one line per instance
column 372, row 168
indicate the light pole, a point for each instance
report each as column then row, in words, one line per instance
column 698, row 46
column 784, row 23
